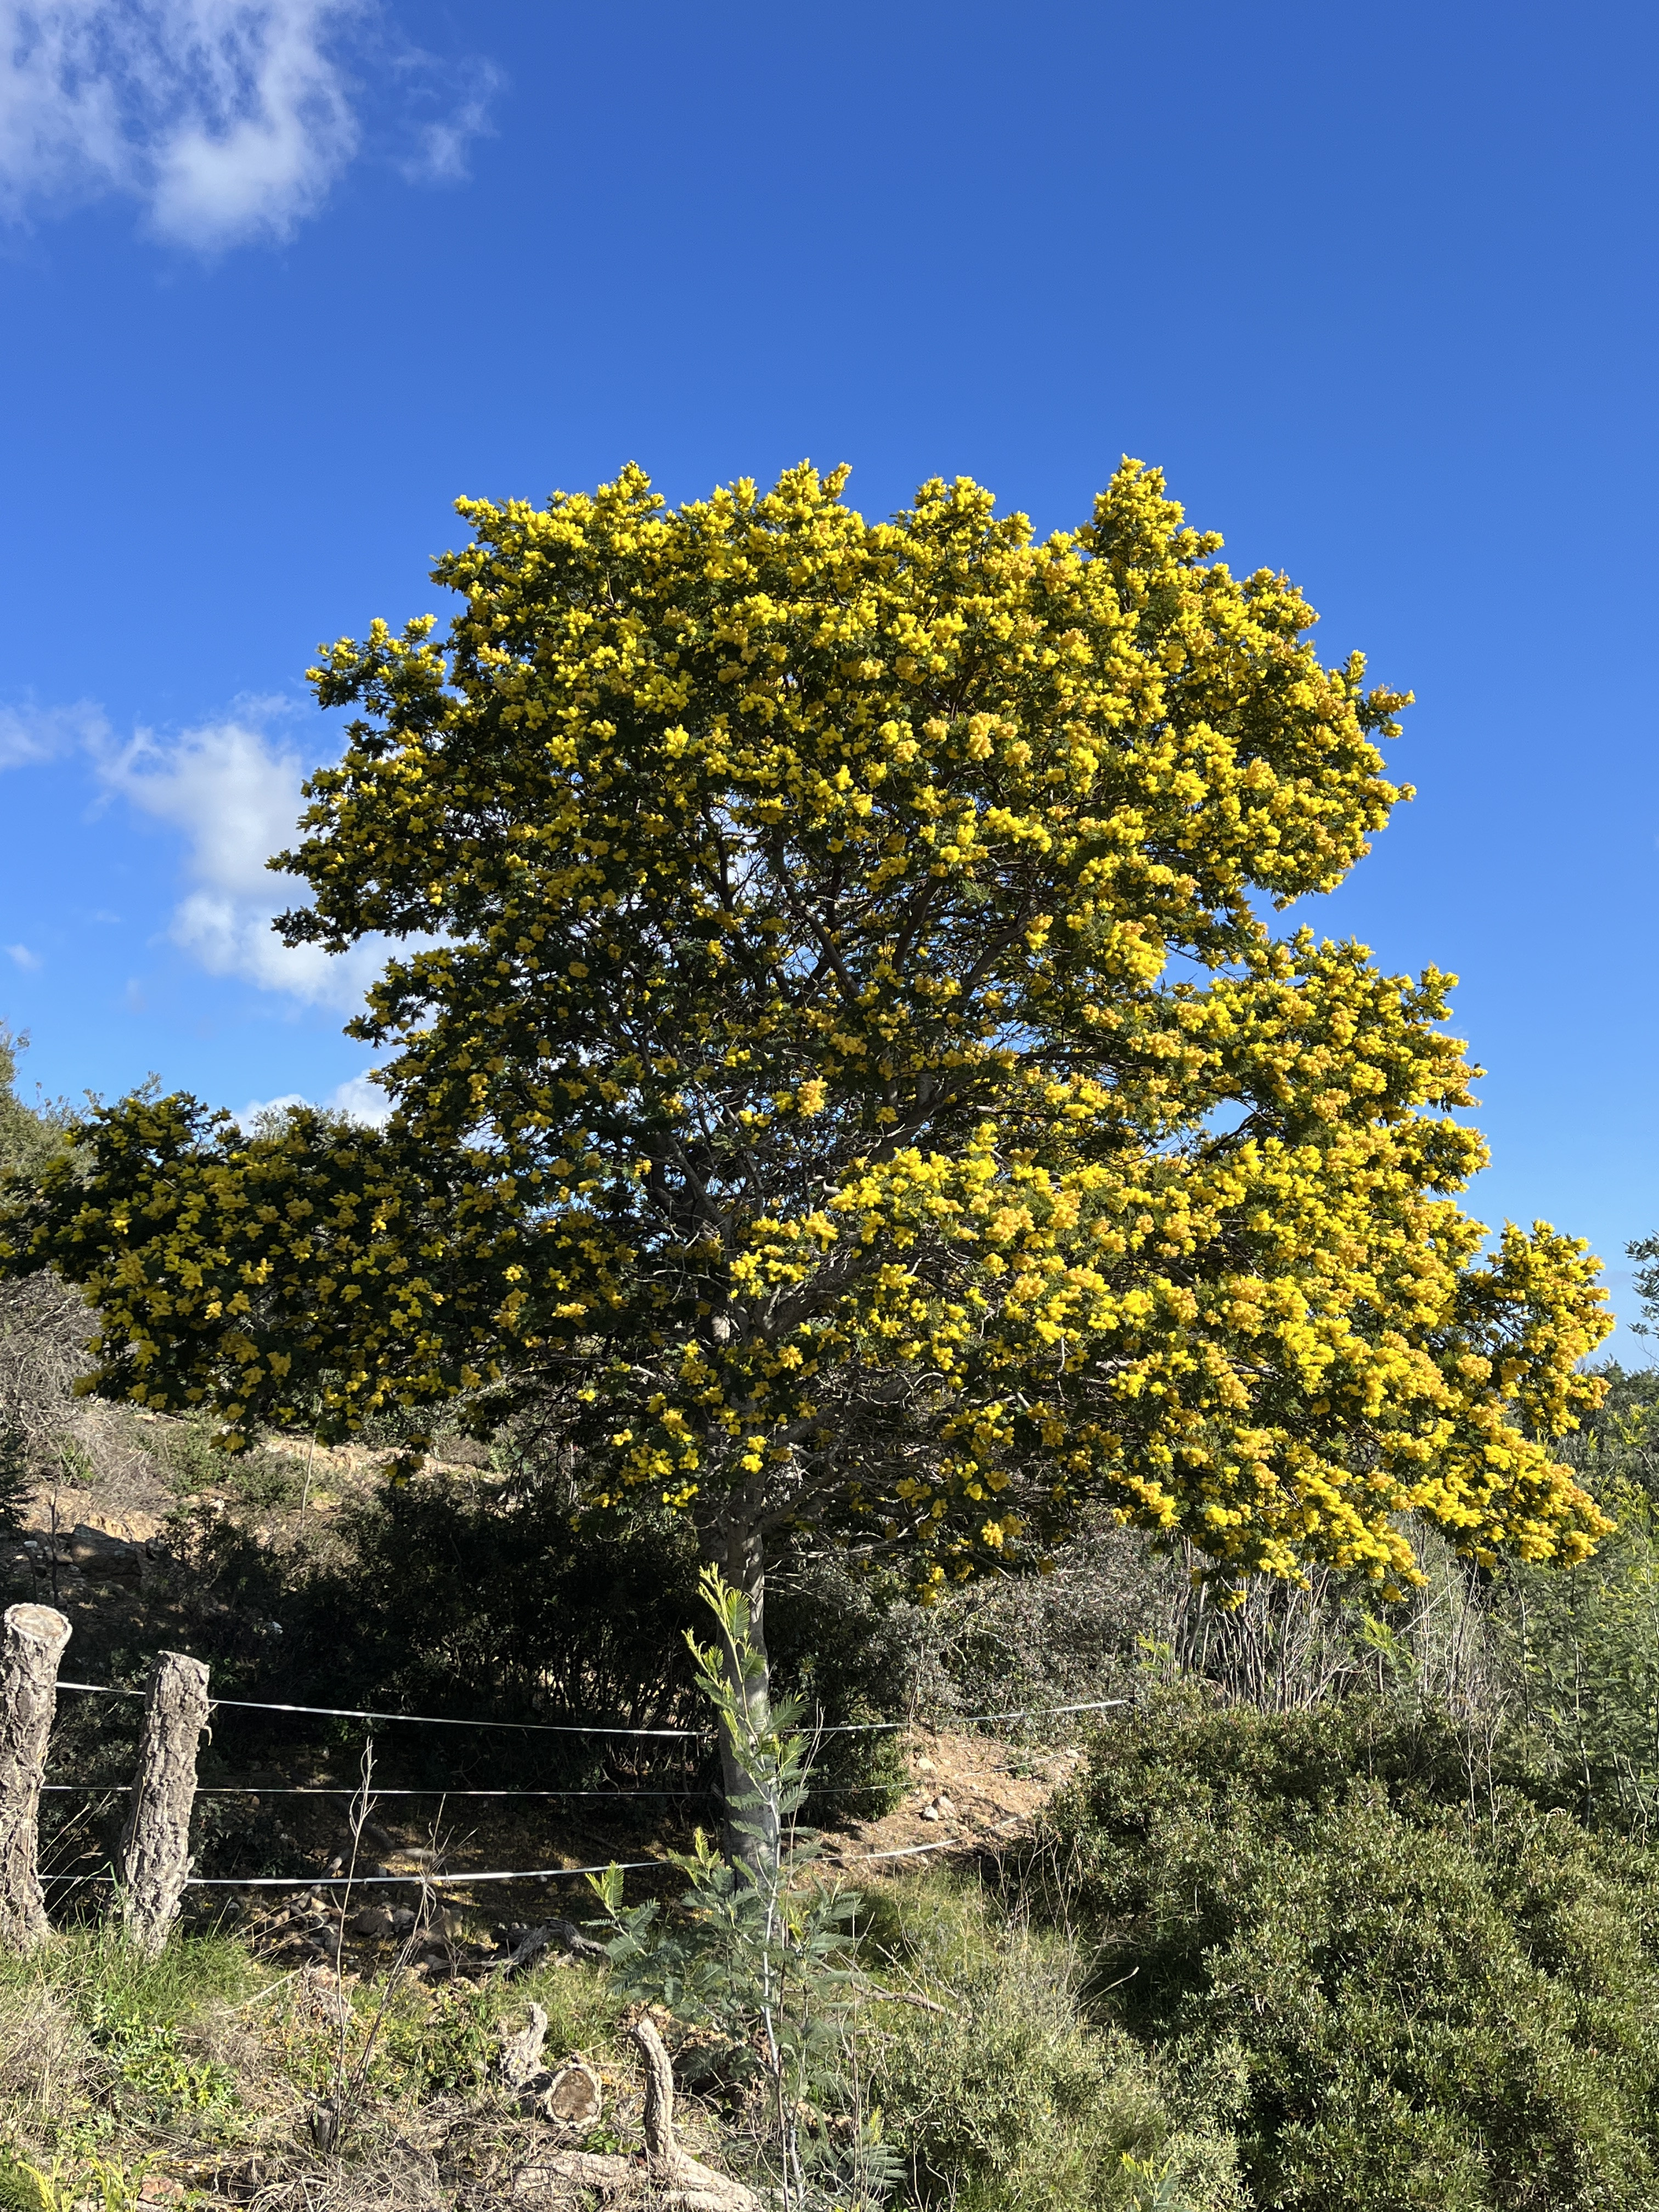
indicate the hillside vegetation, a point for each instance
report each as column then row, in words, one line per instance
column 1346, row 1906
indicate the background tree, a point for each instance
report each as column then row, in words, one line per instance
column 28, row 1135
column 43, row 1322
column 841, row 1072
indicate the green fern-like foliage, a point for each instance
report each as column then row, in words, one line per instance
column 26, row 2189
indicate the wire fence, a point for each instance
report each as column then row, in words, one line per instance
column 461, row 1880
column 427, row 1878
column 564, row 1728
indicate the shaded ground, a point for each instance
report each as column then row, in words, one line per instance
column 265, row 1807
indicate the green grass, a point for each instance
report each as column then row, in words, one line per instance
column 1008, row 2099
column 109, row 2060
column 1260, row 1964
column 98, row 2043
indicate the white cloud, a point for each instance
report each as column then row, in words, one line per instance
column 31, row 734
column 235, row 793
column 229, row 120
column 232, row 789
column 228, row 785
column 359, row 1098
column 441, row 143
column 363, row 1099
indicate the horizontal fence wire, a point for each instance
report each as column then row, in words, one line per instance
column 423, row 1720
column 382, row 1881
column 343, row 1790
column 561, row 1728
column 356, row 1790
column 428, row 1880
column 461, row 1880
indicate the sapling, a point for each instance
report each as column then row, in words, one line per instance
column 759, row 1948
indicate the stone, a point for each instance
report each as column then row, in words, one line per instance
column 103, row 1557
column 373, row 1922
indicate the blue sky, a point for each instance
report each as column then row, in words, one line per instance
column 1375, row 285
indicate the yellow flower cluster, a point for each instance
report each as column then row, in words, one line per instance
column 842, row 1072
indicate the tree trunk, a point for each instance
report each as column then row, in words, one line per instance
column 155, row 1860
column 33, row 1645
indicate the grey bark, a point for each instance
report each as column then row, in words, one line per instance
column 562, row 1936
column 32, row 1647
column 155, row 1859
column 521, row 2054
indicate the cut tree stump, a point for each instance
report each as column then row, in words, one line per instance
column 155, row 1859
column 30, row 1650
column 667, row 2179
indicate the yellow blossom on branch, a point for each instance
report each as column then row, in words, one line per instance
column 841, row 1071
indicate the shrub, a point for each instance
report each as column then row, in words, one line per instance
column 16, row 1485
column 470, row 1595
column 1413, row 2006
column 187, row 1457
column 1008, row 2099
column 266, row 1478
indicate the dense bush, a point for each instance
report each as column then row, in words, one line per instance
column 1004, row 2098
column 1365, row 1940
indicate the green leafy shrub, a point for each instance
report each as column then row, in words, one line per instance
column 459, row 1595
column 998, row 2091
column 153, row 2078
column 266, row 1478
column 1354, row 1936
column 188, row 1458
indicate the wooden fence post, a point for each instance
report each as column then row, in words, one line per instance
column 30, row 1650
column 155, row 1859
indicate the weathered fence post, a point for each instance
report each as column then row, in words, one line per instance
column 155, row 1858
column 29, row 1652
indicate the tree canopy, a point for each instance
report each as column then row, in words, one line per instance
column 843, row 1068
column 28, row 1135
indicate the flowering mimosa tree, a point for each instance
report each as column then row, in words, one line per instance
column 841, row 1069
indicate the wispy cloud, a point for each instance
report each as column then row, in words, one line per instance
column 24, row 957
column 446, row 110
column 227, row 120
column 234, row 791
column 31, row 734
